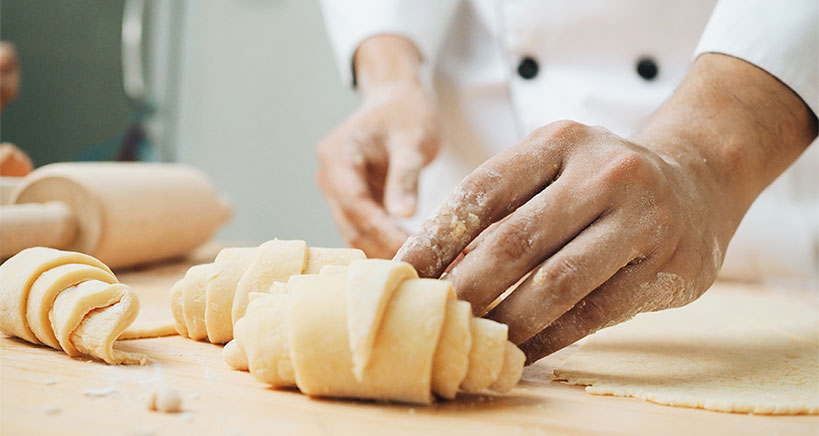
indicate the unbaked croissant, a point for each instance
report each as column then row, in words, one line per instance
column 372, row 330
column 68, row 301
column 211, row 297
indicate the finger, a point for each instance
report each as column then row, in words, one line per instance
column 343, row 178
column 584, row 264
column 366, row 226
column 527, row 236
column 405, row 164
column 369, row 242
column 453, row 264
column 378, row 235
column 497, row 187
column 634, row 289
column 484, row 234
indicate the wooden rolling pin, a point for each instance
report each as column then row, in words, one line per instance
column 124, row 214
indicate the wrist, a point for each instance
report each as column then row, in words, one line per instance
column 734, row 127
column 386, row 61
column 706, row 181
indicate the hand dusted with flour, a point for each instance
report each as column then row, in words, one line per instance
column 598, row 228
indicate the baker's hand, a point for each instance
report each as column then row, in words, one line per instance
column 9, row 74
column 595, row 218
column 369, row 165
column 599, row 228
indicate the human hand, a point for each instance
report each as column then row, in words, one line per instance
column 9, row 74
column 606, row 227
column 599, row 228
column 370, row 164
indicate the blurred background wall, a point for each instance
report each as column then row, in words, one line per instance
column 71, row 97
column 243, row 89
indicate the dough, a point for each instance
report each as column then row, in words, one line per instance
column 729, row 352
column 211, row 298
column 148, row 329
column 165, row 399
column 68, row 301
column 422, row 342
column 370, row 287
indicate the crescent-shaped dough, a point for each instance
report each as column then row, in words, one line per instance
column 68, row 301
column 230, row 265
column 451, row 360
column 486, row 355
column 213, row 297
column 275, row 261
column 427, row 343
column 45, row 289
column 370, row 286
column 18, row 274
column 194, row 298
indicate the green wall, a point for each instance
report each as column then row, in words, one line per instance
column 71, row 105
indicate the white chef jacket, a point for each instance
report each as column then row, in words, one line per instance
column 501, row 68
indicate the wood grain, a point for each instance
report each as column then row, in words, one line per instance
column 44, row 392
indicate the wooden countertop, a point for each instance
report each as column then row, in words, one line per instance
column 44, row 392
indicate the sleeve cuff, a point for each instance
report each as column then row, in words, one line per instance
column 782, row 39
column 350, row 22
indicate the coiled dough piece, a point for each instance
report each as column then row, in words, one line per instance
column 422, row 341
column 212, row 297
column 68, row 301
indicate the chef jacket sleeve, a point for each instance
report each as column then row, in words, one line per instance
column 350, row 22
column 782, row 38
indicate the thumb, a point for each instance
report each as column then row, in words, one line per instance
column 405, row 164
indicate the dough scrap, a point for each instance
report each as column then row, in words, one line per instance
column 68, row 301
column 729, row 352
column 148, row 329
column 165, row 399
column 424, row 344
column 213, row 297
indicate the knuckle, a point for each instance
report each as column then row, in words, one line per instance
column 563, row 129
column 633, row 163
column 477, row 186
column 628, row 166
column 559, row 277
column 513, row 241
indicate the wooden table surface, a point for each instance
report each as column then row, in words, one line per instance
column 44, row 392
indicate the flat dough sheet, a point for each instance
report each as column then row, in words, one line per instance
column 727, row 351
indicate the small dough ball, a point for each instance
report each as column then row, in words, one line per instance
column 165, row 399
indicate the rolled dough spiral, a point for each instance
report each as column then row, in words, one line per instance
column 208, row 301
column 372, row 330
column 68, row 301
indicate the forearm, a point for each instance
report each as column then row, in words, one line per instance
column 735, row 124
column 384, row 60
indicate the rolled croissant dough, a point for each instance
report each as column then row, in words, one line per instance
column 728, row 351
column 212, row 297
column 68, row 301
column 422, row 342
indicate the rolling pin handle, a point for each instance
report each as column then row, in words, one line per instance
column 27, row 225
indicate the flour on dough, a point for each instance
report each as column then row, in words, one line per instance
column 730, row 352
